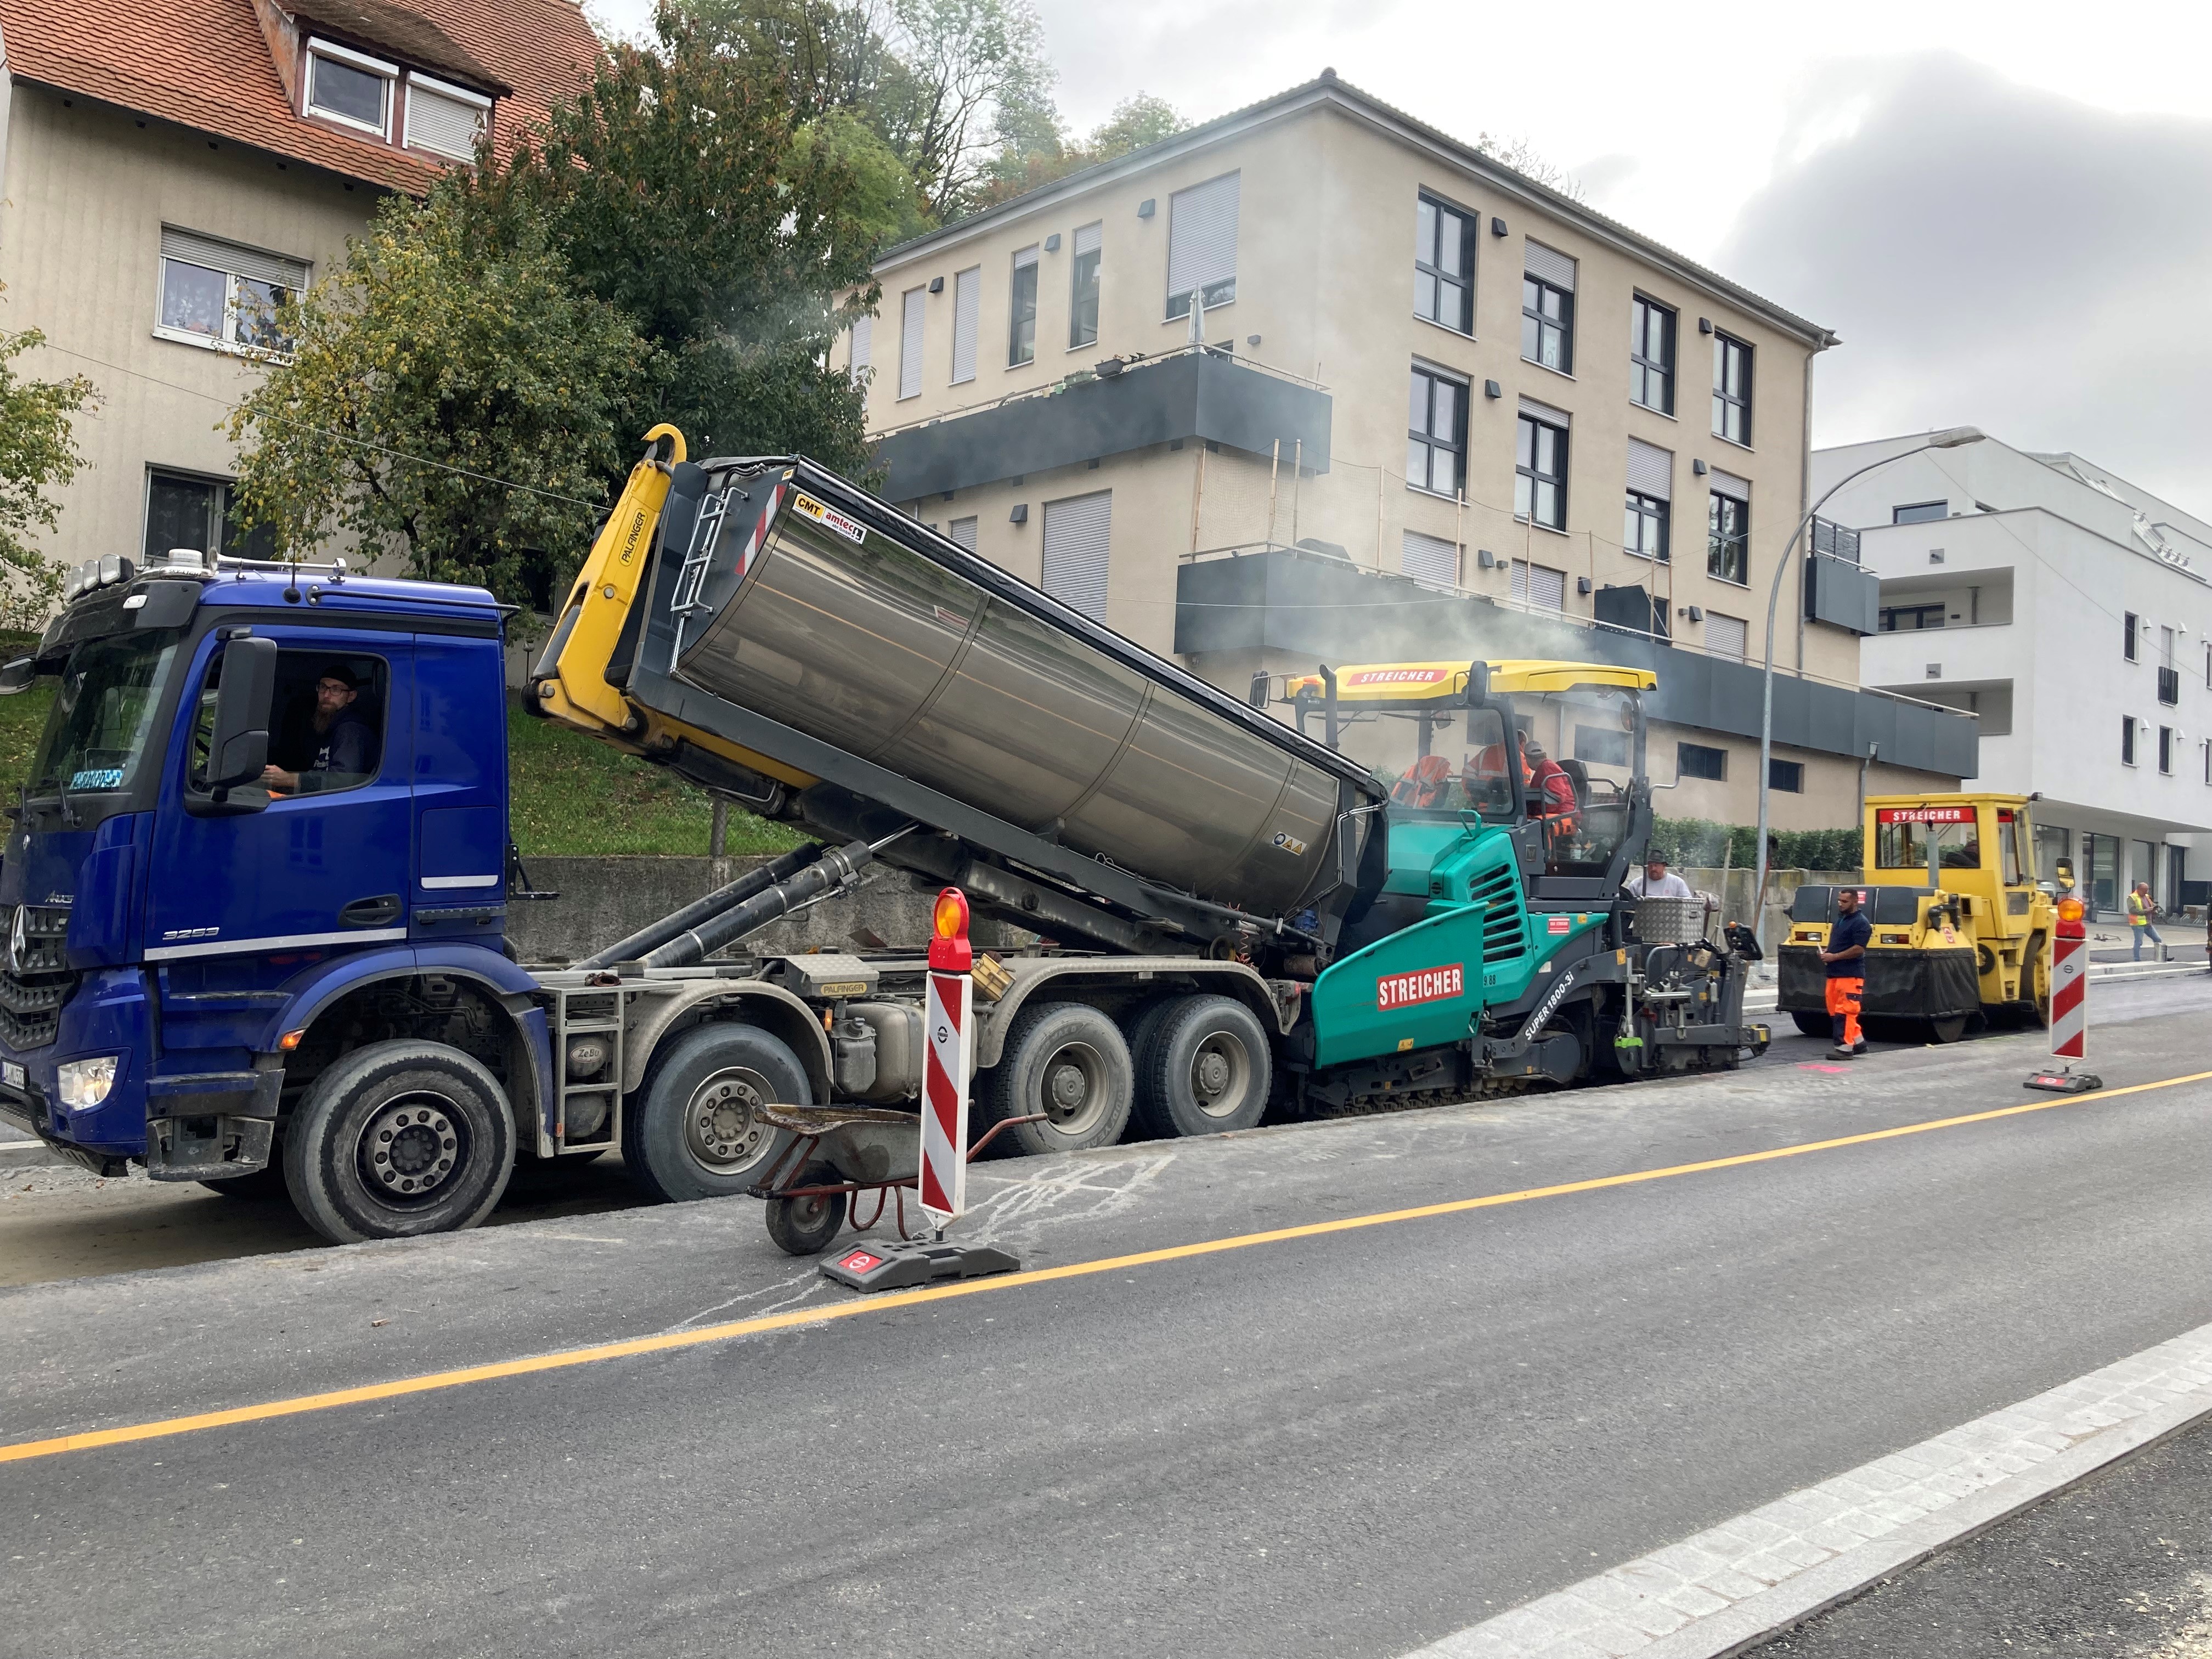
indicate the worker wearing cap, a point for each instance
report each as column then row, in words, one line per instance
column 1551, row 791
column 329, row 746
column 1849, row 935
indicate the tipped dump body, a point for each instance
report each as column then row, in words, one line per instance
column 830, row 615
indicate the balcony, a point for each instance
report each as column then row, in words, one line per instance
column 1194, row 394
column 2169, row 686
column 1318, row 608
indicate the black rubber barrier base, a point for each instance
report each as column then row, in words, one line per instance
column 2067, row 1082
column 897, row 1266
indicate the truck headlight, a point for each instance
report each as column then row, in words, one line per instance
column 85, row 1083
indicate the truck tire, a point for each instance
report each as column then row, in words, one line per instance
column 396, row 1139
column 1069, row 1062
column 1819, row 1026
column 694, row 1131
column 1204, row 1068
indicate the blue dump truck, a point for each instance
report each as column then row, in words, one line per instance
column 258, row 877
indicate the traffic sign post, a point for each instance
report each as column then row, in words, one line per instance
column 2069, row 1005
column 942, row 1183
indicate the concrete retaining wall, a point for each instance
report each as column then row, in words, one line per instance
column 605, row 899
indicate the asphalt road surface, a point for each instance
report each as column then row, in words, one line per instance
column 1340, row 1441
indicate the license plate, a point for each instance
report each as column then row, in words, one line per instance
column 12, row 1074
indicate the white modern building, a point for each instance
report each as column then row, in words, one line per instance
column 2071, row 612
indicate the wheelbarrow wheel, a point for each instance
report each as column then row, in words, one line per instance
column 804, row 1227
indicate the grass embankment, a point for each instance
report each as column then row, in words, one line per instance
column 570, row 796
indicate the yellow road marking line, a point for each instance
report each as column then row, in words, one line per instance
column 165, row 1427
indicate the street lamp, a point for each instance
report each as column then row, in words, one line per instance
column 1950, row 437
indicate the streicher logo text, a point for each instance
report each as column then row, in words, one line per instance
column 1428, row 985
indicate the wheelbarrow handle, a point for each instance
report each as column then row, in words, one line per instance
column 991, row 1134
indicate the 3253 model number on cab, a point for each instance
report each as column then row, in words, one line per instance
column 1425, row 985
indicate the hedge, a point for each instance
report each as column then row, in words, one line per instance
column 1706, row 845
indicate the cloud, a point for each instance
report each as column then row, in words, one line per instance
column 1997, row 255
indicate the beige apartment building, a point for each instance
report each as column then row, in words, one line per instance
column 167, row 170
column 1429, row 410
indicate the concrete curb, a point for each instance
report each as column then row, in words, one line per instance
column 1729, row 1588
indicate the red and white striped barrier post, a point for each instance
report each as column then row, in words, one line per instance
column 950, row 1023
column 2069, row 1005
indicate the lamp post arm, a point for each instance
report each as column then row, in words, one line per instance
column 1767, row 677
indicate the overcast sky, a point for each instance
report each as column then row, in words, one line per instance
column 2005, row 209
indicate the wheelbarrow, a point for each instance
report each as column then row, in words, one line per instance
column 831, row 1157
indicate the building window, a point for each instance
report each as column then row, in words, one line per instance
column 1077, row 532
column 1645, row 533
column 2165, row 750
column 1910, row 618
column 1428, row 559
column 1786, row 776
column 2127, row 739
column 445, row 120
column 1437, row 436
column 1731, row 390
column 1650, row 492
column 963, row 533
column 1021, row 328
column 967, row 319
column 1651, row 354
column 1539, row 586
column 2131, row 635
column 864, row 345
column 1444, row 265
column 1919, row 513
column 1547, row 308
column 1697, row 760
column 1083, row 310
column 220, row 294
column 1595, row 745
column 1540, row 472
column 1727, row 530
column 350, row 88
column 201, row 514
column 913, row 305
column 2207, row 748
column 1202, row 244
column 1727, row 636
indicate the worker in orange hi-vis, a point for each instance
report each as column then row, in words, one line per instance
column 1551, row 791
column 1848, row 939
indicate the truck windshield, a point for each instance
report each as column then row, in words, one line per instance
column 103, row 714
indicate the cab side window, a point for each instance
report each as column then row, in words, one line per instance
column 326, row 726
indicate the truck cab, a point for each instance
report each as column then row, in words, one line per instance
column 266, row 821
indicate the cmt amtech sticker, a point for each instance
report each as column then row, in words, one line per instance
column 1428, row 985
column 830, row 518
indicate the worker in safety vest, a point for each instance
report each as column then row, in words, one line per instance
column 1551, row 791
column 2141, row 908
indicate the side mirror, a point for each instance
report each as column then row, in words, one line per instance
column 238, row 747
column 17, row 676
column 1477, row 682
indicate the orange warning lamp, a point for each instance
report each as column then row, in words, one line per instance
column 949, row 951
column 2070, row 912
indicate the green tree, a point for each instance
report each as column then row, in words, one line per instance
column 682, row 193
column 37, row 453
column 449, row 395
column 1035, row 151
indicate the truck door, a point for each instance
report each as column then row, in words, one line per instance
column 327, row 862
column 458, row 733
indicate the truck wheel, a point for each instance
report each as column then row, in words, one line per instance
column 1067, row 1060
column 696, row 1131
column 1813, row 1025
column 396, row 1139
column 804, row 1227
column 1205, row 1069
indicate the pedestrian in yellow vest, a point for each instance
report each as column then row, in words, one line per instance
column 2141, row 909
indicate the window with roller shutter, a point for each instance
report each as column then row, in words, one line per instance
column 1547, row 308
column 1202, row 244
column 1728, row 528
column 967, row 318
column 443, row 119
column 1429, row 559
column 1727, row 636
column 863, row 342
column 963, row 533
column 1077, row 531
column 1650, row 496
column 911, row 311
column 219, row 293
column 1539, row 586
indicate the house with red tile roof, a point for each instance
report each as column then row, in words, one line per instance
column 168, row 167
